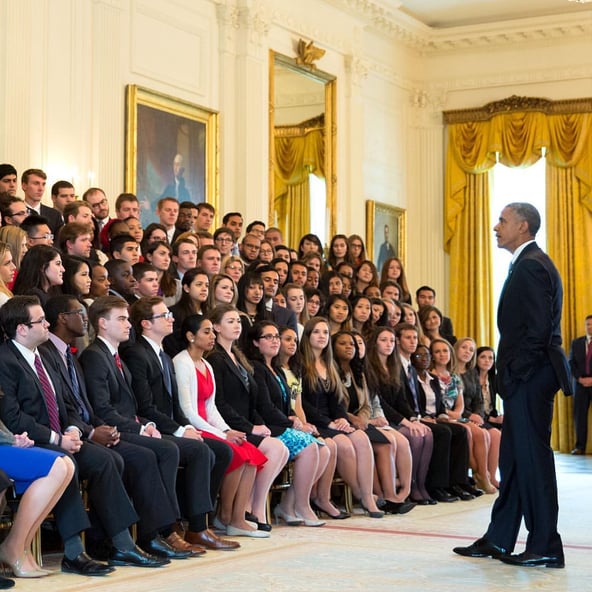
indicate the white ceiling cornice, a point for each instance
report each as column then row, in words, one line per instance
column 412, row 33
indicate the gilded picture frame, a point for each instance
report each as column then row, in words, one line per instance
column 171, row 149
column 386, row 232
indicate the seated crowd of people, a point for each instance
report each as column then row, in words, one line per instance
column 129, row 352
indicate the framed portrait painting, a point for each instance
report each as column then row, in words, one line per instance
column 385, row 232
column 171, row 150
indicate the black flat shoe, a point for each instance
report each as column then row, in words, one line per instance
column 372, row 514
column 463, row 495
column 319, row 510
column 249, row 517
column 481, row 548
column 398, row 507
column 6, row 583
column 83, row 565
column 420, row 501
column 136, row 557
column 532, row 560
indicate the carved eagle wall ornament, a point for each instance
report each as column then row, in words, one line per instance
column 308, row 53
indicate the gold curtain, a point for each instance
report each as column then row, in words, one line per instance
column 299, row 151
column 516, row 130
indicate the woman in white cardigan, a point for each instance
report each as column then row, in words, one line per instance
column 197, row 391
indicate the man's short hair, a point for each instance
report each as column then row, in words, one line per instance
column 254, row 223
column 32, row 222
column 15, row 312
column 206, row 206
column 141, row 310
column 101, row 307
column 163, row 200
column 528, row 212
column 404, row 327
column 230, row 215
column 56, row 306
column 36, row 172
column 70, row 232
column 179, row 242
column 7, row 169
column 425, row 289
column 141, row 268
column 112, row 265
column 91, row 191
column 202, row 250
column 223, row 230
column 73, row 208
column 119, row 240
column 55, row 188
column 123, row 197
column 204, row 234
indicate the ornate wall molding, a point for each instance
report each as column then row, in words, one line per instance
column 426, row 40
column 516, row 103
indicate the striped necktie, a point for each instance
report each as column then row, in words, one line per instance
column 49, row 396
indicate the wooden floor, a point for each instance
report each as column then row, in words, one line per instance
column 396, row 553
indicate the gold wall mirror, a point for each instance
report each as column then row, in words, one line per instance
column 302, row 137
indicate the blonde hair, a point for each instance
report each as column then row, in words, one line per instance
column 473, row 361
column 4, row 248
column 14, row 237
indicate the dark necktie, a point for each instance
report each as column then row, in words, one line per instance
column 588, row 357
column 166, row 373
column 49, row 396
column 413, row 386
column 118, row 363
column 82, row 410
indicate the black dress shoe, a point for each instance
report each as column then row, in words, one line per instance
column 136, row 558
column 6, row 583
column 397, row 507
column 420, row 501
column 474, row 491
column 160, row 548
column 458, row 491
column 577, row 452
column 441, row 495
column 481, row 548
column 532, row 560
column 85, row 566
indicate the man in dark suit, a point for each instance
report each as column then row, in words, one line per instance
column 33, row 403
column 580, row 362
column 531, row 367
column 109, row 386
column 282, row 317
column 67, row 322
column 33, row 185
column 155, row 387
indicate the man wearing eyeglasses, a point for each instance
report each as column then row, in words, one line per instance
column 14, row 211
column 109, row 386
column 33, row 402
column 38, row 231
column 99, row 205
column 155, row 387
column 249, row 248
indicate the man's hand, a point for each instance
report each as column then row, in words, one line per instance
column 106, row 436
column 71, row 442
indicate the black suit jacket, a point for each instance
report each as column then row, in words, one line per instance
column 529, row 321
column 54, row 219
column 22, row 408
column 52, row 357
column 110, row 392
column 284, row 317
column 155, row 403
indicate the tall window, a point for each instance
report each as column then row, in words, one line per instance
column 509, row 185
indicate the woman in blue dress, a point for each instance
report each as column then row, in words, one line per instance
column 41, row 476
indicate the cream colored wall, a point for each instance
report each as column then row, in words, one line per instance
column 64, row 65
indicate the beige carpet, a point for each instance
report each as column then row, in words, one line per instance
column 397, row 553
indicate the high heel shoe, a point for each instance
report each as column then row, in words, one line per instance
column 484, row 483
column 319, row 510
column 18, row 570
column 287, row 518
column 372, row 514
column 313, row 523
